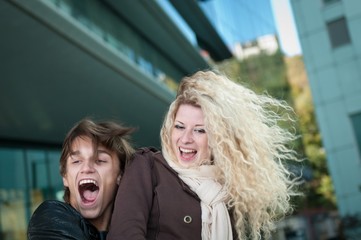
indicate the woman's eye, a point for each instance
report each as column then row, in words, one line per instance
column 178, row 126
column 200, row 130
column 101, row 161
column 75, row 161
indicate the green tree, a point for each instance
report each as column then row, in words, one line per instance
column 319, row 190
column 285, row 79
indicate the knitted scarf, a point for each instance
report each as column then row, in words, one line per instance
column 216, row 222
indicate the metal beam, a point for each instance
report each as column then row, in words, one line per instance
column 207, row 36
column 156, row 26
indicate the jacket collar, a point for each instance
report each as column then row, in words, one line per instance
column 158, row 156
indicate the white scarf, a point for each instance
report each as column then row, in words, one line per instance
column 216, row 222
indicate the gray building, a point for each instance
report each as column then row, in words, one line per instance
column 62, row 60
column 330, row 36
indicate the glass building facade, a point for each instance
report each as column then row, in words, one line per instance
column 117, row 34
column 142, row 60
column 28, row 176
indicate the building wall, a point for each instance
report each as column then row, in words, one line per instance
column 72, row 59
column 330, row 36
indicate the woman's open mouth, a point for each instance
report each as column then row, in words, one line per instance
column 187, row 154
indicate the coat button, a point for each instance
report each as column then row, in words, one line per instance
column 187, row 219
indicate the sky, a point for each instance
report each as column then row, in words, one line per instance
column 241, row 21
column 245, row 20
column 286, row 28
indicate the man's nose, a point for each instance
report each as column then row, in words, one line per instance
column 88, row 166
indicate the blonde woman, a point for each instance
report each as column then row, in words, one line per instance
column 221, row 173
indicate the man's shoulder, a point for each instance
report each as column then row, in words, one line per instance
column 55, row 209
column 53, row 203
column 58, row 220
column 56, row 205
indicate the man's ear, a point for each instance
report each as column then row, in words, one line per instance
column 118, row 179
column 65, row 181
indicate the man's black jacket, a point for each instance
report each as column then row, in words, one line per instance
column 55, row 220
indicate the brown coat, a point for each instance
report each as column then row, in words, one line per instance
column 153, row 203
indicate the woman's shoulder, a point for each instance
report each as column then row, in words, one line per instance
column 148, row 153
column 147, row 150
column 148, row 157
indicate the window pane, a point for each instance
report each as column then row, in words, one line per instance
column 338, row 32
column 325, row 2
column 13, row 195
column 27, row 177
column 356, row 122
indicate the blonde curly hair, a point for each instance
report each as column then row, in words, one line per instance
column 247, row 144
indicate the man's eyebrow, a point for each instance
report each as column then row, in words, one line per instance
column 74, row 153
column 103, row 151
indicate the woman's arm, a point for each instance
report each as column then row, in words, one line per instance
column 134, row 200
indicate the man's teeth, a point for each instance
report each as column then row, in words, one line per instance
column 85, row 181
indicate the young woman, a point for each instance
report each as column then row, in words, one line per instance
column 221, row 173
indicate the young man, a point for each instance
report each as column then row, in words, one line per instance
column 92, row 162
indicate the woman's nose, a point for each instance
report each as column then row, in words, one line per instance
column 187, row 136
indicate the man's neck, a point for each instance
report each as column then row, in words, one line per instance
column 100, row 223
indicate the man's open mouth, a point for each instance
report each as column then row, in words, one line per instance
column 88, row 190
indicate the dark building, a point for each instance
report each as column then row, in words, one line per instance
column 62, row 60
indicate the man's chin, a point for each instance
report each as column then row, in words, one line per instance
column 90, row 213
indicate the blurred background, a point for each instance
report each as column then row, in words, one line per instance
column 63, row 60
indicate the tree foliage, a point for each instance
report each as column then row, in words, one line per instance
column 286, row 79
